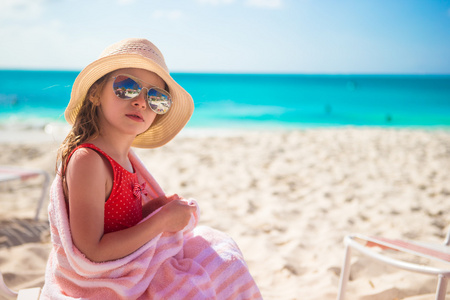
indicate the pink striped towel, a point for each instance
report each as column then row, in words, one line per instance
column 195, row 263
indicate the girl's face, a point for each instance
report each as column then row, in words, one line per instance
column 130, row 117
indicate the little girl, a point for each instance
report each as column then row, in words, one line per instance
column 115, row 234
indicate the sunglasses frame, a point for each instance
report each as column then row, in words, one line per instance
column 139, row 83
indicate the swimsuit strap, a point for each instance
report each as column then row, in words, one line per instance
column 98, row 150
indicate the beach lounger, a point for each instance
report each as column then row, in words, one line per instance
column 24, row 294
column 8, row 173
column 435, row 252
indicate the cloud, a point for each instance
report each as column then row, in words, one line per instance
column 47, row 45
column 21, row 10
column 125, row 2
column 270, row 4
column 171, row 15
column 215, row 2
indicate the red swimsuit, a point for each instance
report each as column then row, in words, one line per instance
column 123, row 208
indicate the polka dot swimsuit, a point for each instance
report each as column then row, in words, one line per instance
column 123, row 208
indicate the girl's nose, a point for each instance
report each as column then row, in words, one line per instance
column 141, row 99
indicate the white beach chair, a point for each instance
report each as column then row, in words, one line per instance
column 24, row 294
column 8, row 173
column 436, row 252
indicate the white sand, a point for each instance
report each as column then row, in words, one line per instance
column 287, row 198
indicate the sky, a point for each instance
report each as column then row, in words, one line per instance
column 234, row 36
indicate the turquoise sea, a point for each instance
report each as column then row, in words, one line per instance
column 35, row 98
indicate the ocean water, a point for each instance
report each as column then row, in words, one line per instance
column 35, row 98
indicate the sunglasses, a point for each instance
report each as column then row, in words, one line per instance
column 127, row 87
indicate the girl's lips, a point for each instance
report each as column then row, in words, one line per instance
column 135, row 117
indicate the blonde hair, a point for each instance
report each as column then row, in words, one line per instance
column 85, row 128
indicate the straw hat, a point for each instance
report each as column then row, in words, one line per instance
column 142, row 54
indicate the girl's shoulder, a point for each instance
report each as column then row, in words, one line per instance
column 88, row 152
column 87, row 159
column 84, row 149
column 84, row 156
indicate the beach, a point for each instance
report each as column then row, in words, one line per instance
column 287, row 197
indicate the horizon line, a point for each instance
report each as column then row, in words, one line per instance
column 252, row 72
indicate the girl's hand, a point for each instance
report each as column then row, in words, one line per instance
column 176, row 214
column 156, row 203
column 171, row 198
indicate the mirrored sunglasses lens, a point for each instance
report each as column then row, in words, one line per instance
column 126, row 88
column 159, row 101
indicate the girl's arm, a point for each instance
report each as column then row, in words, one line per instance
column 89, row 180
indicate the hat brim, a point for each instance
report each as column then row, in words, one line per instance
column 165, row 127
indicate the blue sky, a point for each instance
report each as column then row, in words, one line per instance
column 269, row 36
